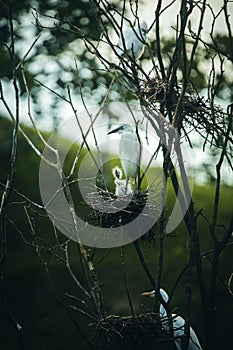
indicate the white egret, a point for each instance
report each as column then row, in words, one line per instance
column 178, row 324
column 130, row 150
column 132, row 41
column 121, row 189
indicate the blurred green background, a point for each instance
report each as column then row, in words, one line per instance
column 37, row 291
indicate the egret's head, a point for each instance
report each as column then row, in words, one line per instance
column 163, row 294
column 117, row 172
column 149, row 294
column 121, row 129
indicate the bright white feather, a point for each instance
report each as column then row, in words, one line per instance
column 132, row 41
column 129, row 150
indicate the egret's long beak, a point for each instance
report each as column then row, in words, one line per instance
column 147, row 294
column 115, row 130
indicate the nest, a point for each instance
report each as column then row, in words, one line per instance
column 115, row 211
column 155, row 89
column 143, row 332
column 111, row 211
column 207, row 118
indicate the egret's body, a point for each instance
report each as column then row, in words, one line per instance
column 121, row 188
column 129, row 151
column 178, row 325
column 132, row 41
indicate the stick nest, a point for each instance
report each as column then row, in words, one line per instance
column 116, row 211
column 207, row 118
column 143, row 332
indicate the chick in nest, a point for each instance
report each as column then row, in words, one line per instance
column 123, row 187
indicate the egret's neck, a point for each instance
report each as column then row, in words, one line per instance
column 162, row 311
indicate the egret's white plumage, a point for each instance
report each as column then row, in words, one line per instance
column 121, row 188
column 132, row 41
column 178, row 324
column 129, row 150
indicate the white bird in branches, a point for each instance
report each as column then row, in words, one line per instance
column 178, row 324
column 132, row 41
column 121, row 189
column 130, row 151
